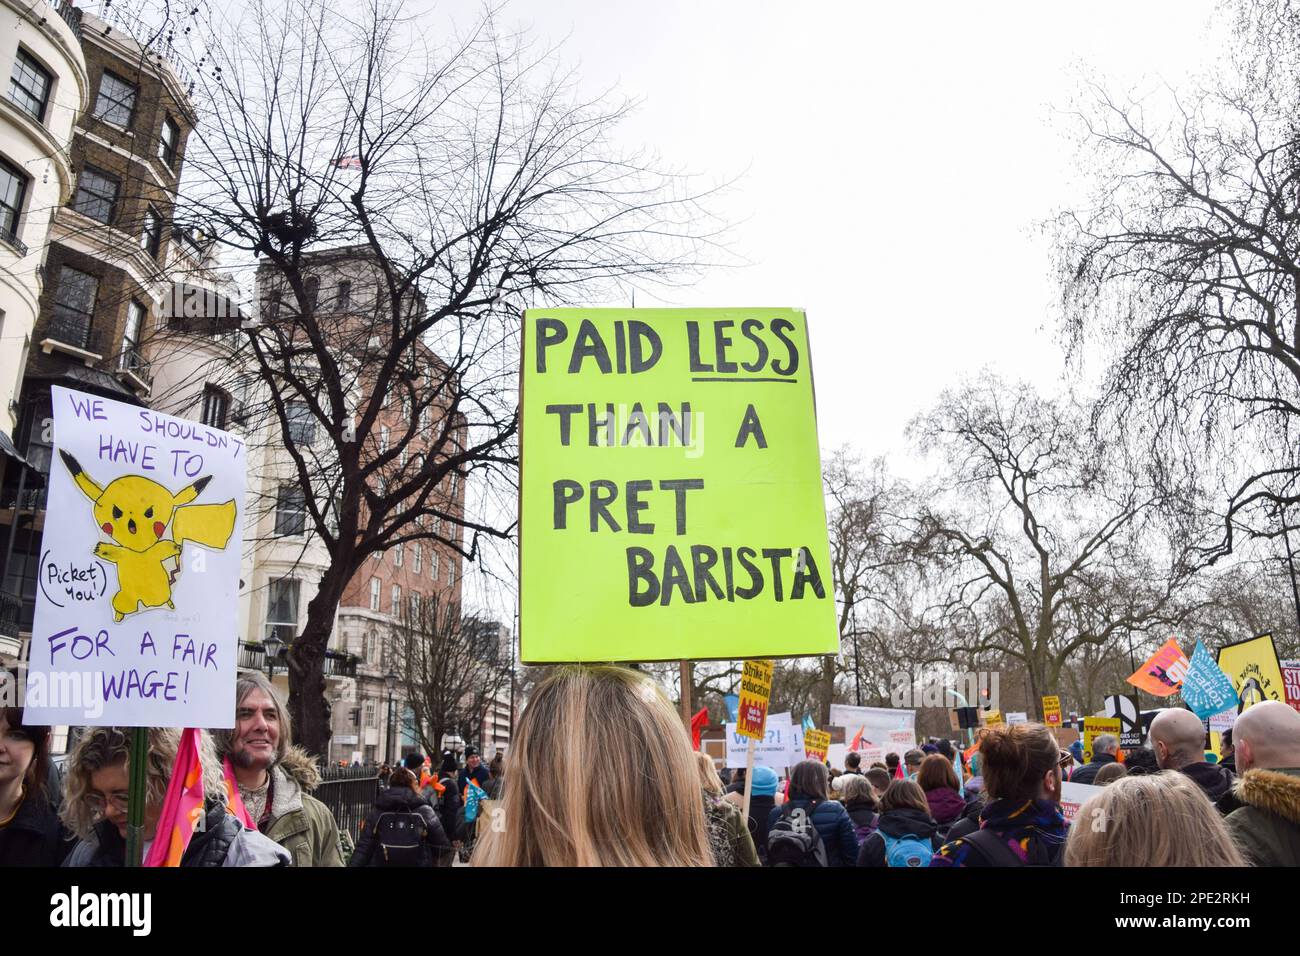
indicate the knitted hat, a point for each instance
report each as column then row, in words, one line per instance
column 764, row 784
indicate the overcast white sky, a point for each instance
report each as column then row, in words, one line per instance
column 894, row 164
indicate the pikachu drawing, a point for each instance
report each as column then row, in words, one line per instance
column 134, row 512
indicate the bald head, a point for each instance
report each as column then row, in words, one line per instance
column 1267, row 735
column 1178, row 738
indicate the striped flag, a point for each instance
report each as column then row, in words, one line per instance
column 182, row 807
column 348, row 162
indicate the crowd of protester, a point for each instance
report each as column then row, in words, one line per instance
column 602, row 773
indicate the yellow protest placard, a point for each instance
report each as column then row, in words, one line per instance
column 755, row 691
column 993, row 718
column 1254, row 670
column 1094, row 727
column 816, row 743
column 671, row 501
column 1052, row 711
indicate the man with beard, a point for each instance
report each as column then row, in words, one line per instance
column 275, row 778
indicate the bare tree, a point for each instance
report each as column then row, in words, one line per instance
column 1050, row 542
column 1186, row 267
column 471, row 181
column 451, row 669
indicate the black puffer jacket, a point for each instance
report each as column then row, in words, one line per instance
column 1215, row 781
column 897, row 823
column 34, row 837
column 433, row 852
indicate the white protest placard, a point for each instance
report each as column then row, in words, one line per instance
column 781, row 746
column 873, row 726
column 1224, row 721
column 1017, row 717
column 1075, row 795
column 138, row 585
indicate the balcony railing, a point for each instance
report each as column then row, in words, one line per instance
column 71, row 16
column 134, row 363
column 11, row 609
column 70, row 328
column 252, row 656
column 13, row 242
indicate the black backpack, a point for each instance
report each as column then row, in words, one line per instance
column 400, row 838
column 995, row 852
column 795, row 841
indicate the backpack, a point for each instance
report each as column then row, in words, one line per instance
column 791, row 843
column 864, row 830
column 995, row 851
column 400, row 836
column 907, row 850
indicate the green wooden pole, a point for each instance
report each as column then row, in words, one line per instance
column 139, row 766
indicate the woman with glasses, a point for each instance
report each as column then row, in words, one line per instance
column 1021, row 823
column 96, row 803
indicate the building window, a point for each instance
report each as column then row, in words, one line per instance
column 169, row 141
column 96, row 194
column 116, row 101
column 302, row 427
column 397, row 555
column 424, row 419
column 74, row 304
column 396, row 607
column 419, row 558
column 282, row 609
column 370, row 713
column 290, row 510
column 29, row 85
column 383, row 439
column 271, row 305
column 413, row 608
column 451, row 571
column 343, row 300
column 151, row 237
column 13, row 189
column 131, row 359
column 312, row 288
column 374, row 594
column 433, row 565
column 216, row 407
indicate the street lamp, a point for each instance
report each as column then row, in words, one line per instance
column 271, row 648
column 391, row 680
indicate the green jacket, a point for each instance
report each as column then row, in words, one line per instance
column 1267, row 828
column 299, row 822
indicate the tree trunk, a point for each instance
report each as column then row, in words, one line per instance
column 307, row 704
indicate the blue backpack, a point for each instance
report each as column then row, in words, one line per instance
column 907, row 850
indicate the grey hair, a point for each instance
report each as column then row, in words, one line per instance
column 248, row 682
column 1104, row 744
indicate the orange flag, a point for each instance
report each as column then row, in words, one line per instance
column 182, row 807
column 233, row 800
column 1163, row 672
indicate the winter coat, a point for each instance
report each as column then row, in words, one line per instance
column 1089, row 770
column 224, row 841
column 1267, row 827
column 729, row 839
column 969, row 821
column 946, row 805
column 833, row 825
column 865, row 819
column 34, row 836
column 898, row 823
column 1033, row 830
column 1213, row 779
column 298, row 821
column 436, row 848
column 479, row 774
column 760, row 812
column 450, row 807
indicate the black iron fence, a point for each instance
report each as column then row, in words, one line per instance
column 350, row 793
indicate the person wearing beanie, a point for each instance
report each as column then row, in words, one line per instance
column 762, row 798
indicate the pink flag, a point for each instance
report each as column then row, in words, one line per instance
column 234, row 802
column 182, row 807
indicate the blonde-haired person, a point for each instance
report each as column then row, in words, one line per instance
column 600, row 773
column 95, row 803
column 729, row 838
column 1160, row 819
